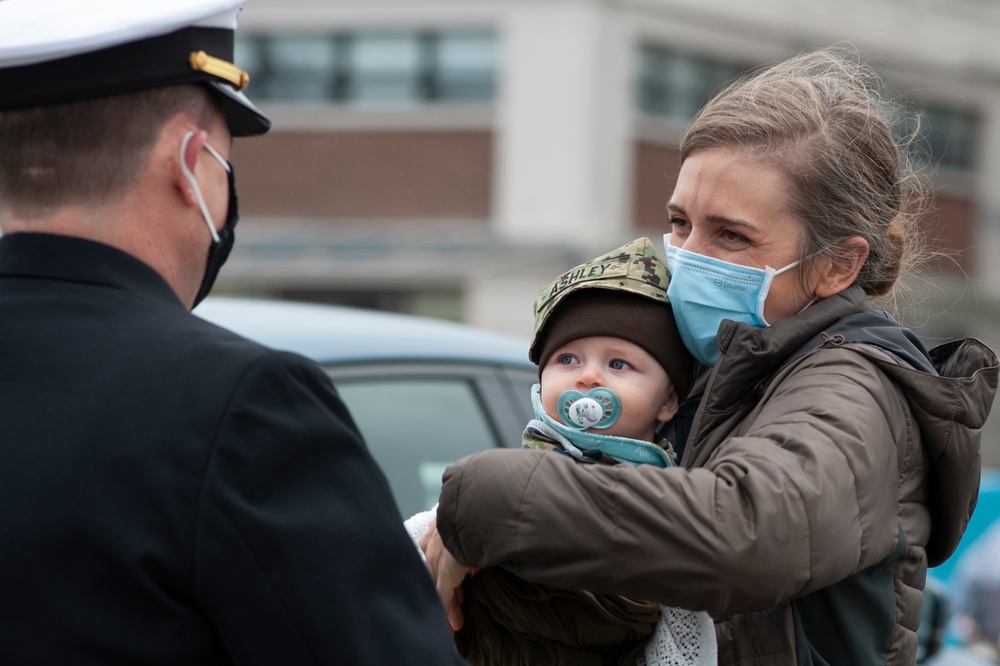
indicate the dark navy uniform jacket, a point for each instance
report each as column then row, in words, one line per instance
column 171, row 493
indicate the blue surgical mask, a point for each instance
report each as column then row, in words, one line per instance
column 703, row 291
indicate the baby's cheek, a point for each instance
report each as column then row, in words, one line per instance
column 548, row 401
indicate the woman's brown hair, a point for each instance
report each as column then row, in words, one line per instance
column 820, row 117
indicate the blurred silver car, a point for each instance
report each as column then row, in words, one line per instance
column 424, row 392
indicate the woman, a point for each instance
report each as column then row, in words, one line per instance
column 831, row 457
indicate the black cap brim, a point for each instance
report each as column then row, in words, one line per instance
column 242, row 117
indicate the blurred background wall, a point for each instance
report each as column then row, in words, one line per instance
column 450, row 157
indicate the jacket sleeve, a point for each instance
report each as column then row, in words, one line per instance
column 803, row 496
column 301, row 555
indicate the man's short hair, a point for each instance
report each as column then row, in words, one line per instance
column 87, row 152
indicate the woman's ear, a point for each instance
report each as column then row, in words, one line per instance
column 669, row 408
column 837, row 273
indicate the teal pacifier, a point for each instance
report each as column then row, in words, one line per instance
column 597, row 408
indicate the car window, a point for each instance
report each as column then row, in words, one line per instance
column 415, row 427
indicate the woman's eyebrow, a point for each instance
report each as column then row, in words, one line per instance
column 725, row 220
column 722, row 220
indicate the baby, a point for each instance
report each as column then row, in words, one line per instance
column 612, row 369
column 612, row 366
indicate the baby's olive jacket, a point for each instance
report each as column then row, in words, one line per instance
column 824, row 467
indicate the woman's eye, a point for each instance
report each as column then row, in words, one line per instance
column 619, row 364
column 733, row 236
column 680, row 229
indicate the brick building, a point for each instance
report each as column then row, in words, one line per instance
column 448, row 157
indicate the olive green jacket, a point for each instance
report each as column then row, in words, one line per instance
column 825, row 466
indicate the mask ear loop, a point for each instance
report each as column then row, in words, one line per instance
column 194, row 183
column 766, row 288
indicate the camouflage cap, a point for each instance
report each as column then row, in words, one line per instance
column 634, row 267
column 633, row 270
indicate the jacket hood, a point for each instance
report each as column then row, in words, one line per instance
column 951, row 408
column 950, row 390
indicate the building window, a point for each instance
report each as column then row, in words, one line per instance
column 382, row 68
column 947, row 136
column 371, row 68
column 294, row 69
column 676, row 85
column 463, row 67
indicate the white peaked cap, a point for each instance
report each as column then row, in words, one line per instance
column 63, row 50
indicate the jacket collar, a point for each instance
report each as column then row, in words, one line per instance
column 751, row 354
column 71, row 259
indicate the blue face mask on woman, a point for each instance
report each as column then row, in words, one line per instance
column 703, row 291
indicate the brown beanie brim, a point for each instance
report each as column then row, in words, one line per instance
column 619, row 314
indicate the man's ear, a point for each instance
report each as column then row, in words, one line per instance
column 669, row 408
column 837, row 273
column 190, row 147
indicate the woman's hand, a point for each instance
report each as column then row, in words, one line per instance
column 447, row 573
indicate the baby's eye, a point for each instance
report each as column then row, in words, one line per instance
column 619, row 364
column 567, row 359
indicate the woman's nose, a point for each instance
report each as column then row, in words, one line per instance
column 696, row 241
